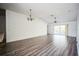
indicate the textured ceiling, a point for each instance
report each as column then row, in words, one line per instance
column 62, row 11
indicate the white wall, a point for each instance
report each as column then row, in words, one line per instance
column 18, row 27
column 78, row 32
column 50, row 28
column 71, row 28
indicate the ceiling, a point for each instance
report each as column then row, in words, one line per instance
column 62, row 11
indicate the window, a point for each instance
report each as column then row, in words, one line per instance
column 60, row 29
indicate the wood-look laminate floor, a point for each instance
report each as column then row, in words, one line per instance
column 50, row 45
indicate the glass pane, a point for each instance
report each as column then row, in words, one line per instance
column 60, row 29
column 63, row 29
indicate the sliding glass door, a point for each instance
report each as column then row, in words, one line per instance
column 60, row 29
